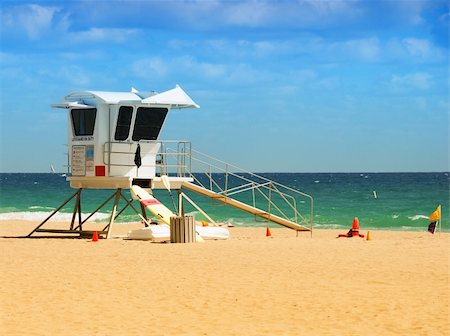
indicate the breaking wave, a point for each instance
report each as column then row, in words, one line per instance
column 41, row 215
column 416, row 217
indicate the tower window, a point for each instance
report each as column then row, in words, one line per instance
column 149, row 121
column 83, row 121
column 123, row 123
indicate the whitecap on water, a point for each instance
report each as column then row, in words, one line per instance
column 34, row 207
column 416, row 217
column 41, row 215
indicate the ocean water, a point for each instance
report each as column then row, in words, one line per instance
column 404, row 200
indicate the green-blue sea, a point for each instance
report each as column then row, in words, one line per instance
column 403, row 200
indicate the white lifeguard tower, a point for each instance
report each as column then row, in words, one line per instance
column 113, row 136
column 113, row 143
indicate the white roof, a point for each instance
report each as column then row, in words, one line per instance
column 115, row 97
column 175, row 97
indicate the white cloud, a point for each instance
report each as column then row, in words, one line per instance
column 153, row 66
column 367, row 49
column 421, row 81
column 301, row 13
column 204, row 69
column 413, row 50
column 211, row 70
column 187, row 66
column 82, row 55
column 251, row 13
column 418, row 47
column 115, row 35
column 34, row 20
column 262, row 13
column 246, row 49
column 323, row 8
column 411, row 10
column 38, row 22
column 37, row 19
column 444, row 19
column 244, row 74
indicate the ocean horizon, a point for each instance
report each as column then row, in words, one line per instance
column 385, row 201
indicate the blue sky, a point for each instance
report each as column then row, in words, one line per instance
column 295, row 86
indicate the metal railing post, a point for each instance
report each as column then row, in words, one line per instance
column 226, row 179
column 210, row 179
column 270, row 197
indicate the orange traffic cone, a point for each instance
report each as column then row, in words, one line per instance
column 355, row 227
column 95, row 236
column 368, row 236
column 354, row 231
column 268, row 234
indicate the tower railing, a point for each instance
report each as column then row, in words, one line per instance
column 228, row 180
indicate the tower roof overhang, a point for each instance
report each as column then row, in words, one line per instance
column 174, row 98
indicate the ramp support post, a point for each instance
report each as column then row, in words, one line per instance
column 113, row 213
column 183, row 195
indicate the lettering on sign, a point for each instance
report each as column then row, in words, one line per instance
column 78, row 160
column 83, row 138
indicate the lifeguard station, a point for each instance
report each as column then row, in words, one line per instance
column 113, row 143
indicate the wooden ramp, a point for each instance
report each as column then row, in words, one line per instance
column 245, row 207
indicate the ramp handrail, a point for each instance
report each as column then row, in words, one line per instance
column 235, row 181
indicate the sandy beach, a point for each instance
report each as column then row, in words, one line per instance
column 395, row 284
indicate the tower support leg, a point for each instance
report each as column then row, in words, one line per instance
column 53, row 213
column 113, row 213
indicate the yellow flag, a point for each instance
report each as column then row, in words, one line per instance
column 436, row 214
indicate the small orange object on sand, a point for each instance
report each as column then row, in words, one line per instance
column 95, row 236
column 354, row 231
